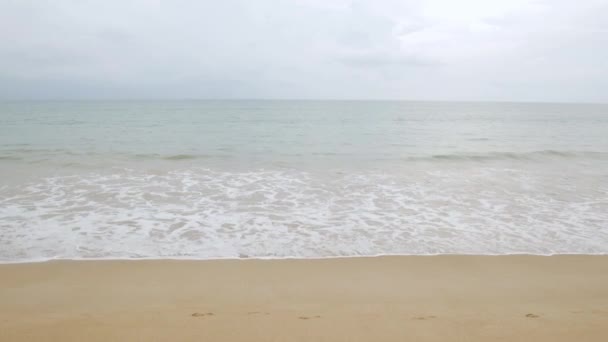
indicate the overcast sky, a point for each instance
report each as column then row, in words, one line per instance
column 523, row 50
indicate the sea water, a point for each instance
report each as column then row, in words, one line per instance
column 236, row 179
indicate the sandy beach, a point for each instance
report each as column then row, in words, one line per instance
column 412, row 298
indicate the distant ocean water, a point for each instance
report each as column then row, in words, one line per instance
column 224, row 179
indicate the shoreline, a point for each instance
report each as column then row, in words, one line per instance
column 112, row 259
column 384, row 298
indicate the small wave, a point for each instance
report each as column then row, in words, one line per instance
column 181, row 157
column 9, row 158
column 169, row 157
column 51, row 155
column 35, row 150
column 534, row 155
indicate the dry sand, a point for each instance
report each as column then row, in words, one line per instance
column 435, row 298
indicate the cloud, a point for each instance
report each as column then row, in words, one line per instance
column 434, row 49
column 385, row 59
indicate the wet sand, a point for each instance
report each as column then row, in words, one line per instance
column 410, row 298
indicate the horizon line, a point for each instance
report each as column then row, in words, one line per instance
column 160, row 99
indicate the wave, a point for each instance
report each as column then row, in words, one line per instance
column 202, row 213
column 533, row 155
column 9, row 158
column 288, row 257
column 30, row 155
column 182, row 157
column 169, row 156
column 25, row 154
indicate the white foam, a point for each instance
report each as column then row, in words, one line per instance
column 209, row 214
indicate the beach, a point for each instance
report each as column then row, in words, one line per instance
column 261, row 220
column 392, row 298
column 290, row 171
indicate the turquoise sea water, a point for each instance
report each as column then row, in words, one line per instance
column 209, row 179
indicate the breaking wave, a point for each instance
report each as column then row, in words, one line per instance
column 205, row 213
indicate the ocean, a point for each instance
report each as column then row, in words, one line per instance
column 302, row 179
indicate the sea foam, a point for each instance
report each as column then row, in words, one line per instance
column 203, row 213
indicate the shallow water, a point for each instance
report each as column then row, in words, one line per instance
column 213, row 179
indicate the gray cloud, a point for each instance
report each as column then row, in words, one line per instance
column 436, row 49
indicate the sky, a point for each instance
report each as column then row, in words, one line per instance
column 466, row 50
